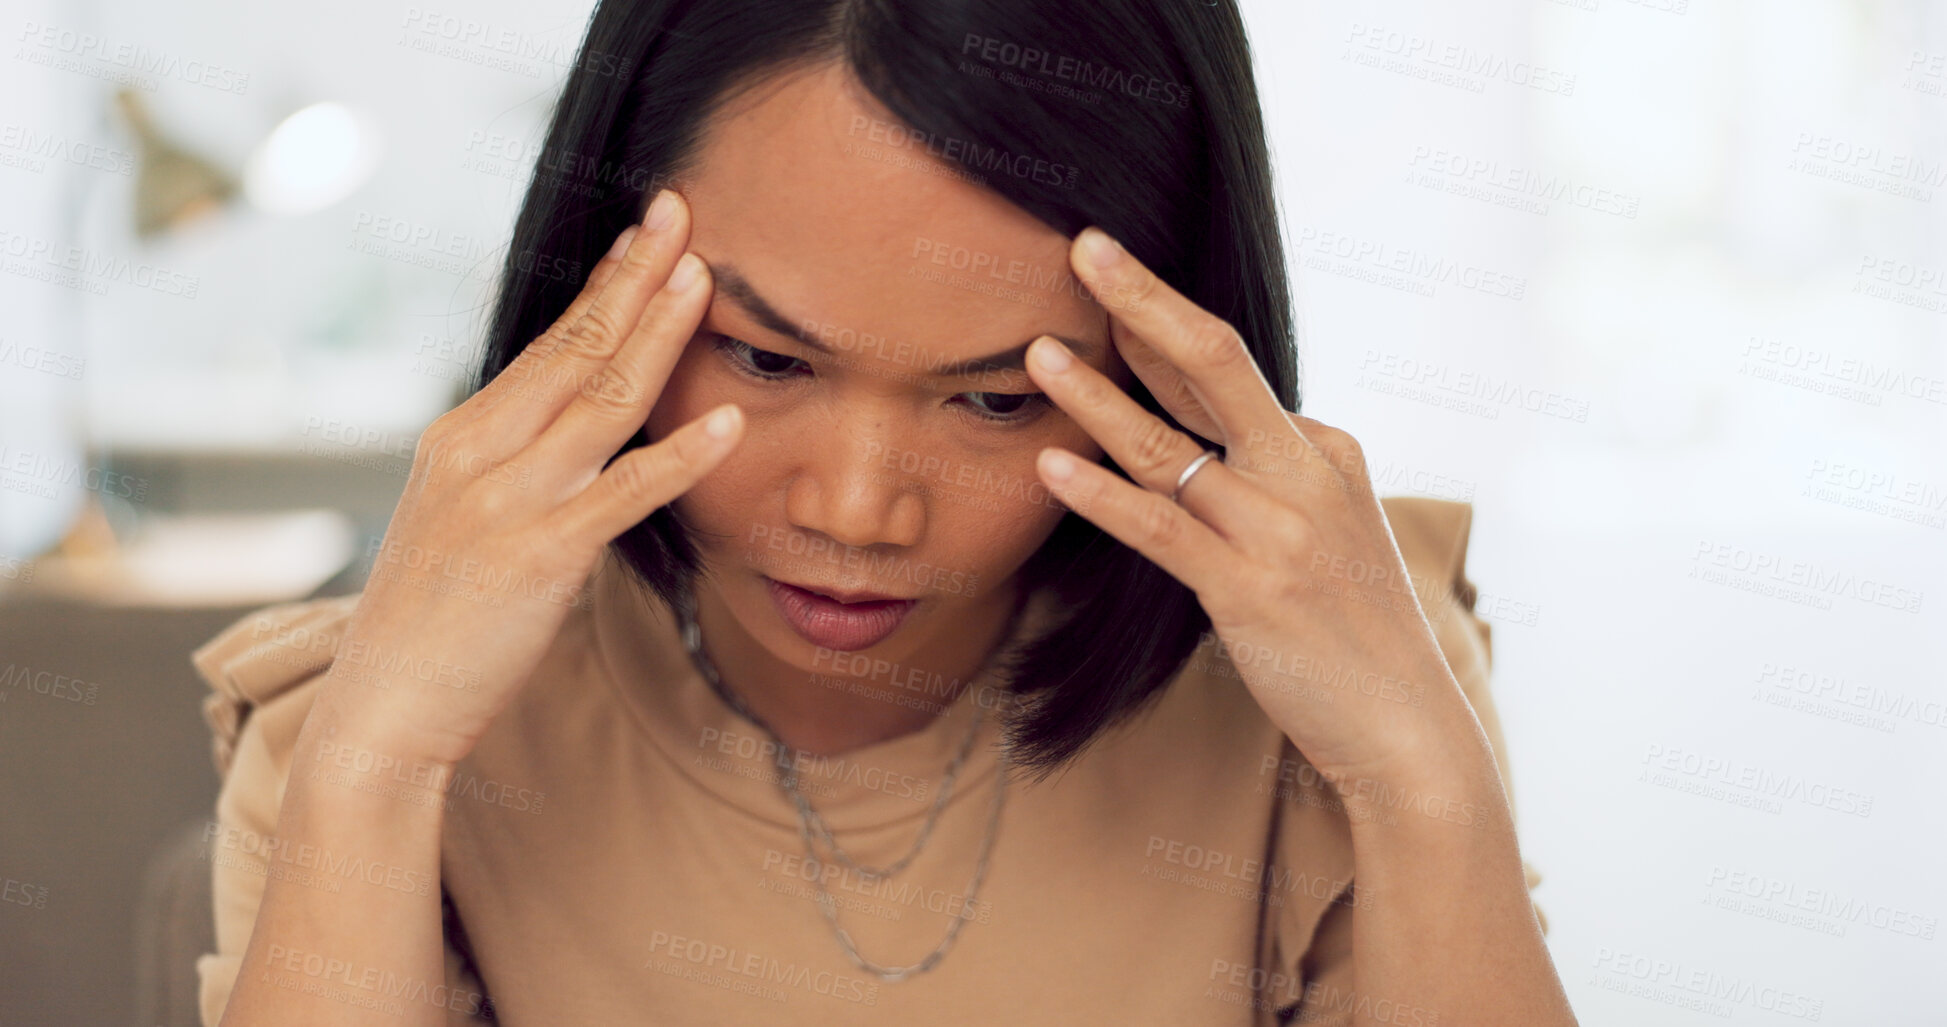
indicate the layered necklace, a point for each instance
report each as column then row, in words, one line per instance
column 810, row 824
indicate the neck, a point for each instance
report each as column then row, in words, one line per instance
column 830, row 710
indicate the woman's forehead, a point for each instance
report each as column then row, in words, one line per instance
column 825, row 207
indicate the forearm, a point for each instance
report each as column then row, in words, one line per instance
column 1446, row 928
column 349, row 931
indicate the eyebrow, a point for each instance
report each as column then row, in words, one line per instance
column 732, row 285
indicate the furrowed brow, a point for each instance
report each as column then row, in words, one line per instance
column 733, row 286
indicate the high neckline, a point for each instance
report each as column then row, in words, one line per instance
column 643, row 656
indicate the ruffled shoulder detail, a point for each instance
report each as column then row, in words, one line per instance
column 262, row 655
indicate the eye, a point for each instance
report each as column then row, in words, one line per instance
column 747, row 359
column 1014, row 407
column 763, row 365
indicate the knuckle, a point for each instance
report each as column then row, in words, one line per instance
column 441, row 438
column 1133, row 295
column 1212, row 342
column 1294, row 535
column 633, row 477
column 491, row 504
column 590, row 333
column 1161, row 523
column 608, row 393
column 545, row 345
column 1351, row 456
column 1093, row 392
column 1154, row 448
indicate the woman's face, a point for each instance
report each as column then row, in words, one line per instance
column 864, row 468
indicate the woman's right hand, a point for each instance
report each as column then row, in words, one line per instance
column 508, row 506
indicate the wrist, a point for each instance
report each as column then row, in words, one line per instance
column 349, row 719
column 1442, row 772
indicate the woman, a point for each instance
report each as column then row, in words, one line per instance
column 651, row 715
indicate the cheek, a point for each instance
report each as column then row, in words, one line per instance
column 995, row 527
column 684, row 398
column 719, row 507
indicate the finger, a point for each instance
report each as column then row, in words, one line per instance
column 1170, row 536
column 616, row 400
column 522, row 367
column 1216, row 366
column 1153, row 453
column 1335, row 445
column 574, row 349
column 1167, row 384
column 642, row 480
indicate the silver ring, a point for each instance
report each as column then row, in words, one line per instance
column 1184, row 478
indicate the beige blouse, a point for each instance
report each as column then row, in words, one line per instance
column 617, row 850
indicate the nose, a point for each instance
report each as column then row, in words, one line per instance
column 850, row 492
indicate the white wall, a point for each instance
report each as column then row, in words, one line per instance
column 1692, row 758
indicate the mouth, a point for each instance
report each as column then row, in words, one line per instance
column 838, row 619
column 847, row 596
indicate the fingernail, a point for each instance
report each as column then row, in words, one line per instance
column 686, row 272
column 622, row 241
column 1059, row 465
column 1103, row 250
column 1051, row 354
column 662, row 211
column 720, row 423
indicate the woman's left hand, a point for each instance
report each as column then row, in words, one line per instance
column 1282, row 540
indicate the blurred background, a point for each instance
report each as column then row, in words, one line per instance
column 1658, row 285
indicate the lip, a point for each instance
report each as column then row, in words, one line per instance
column 840, row 595
column 841, row 624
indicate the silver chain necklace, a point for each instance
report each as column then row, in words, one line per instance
column 809, row 822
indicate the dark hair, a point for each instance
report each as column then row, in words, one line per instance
column 1150, row 103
